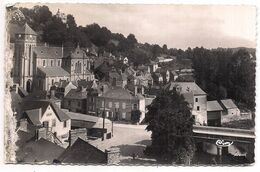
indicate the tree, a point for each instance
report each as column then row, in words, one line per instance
column 170, row 120
column 135, row 116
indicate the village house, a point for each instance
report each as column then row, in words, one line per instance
column 118, row 103
column 75, row 100
column 198, row 97
column 46, row 119
column 63, row 88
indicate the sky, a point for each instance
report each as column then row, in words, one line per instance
column 177, row 26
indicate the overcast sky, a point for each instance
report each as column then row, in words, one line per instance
column 178, row 26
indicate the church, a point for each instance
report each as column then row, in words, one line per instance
column 40, row 66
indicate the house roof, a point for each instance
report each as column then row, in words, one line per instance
column 228, row 104
column 52, row 71
column 83, row 152
column 43, row 104
column 117, row 93
column 213, row 106
column 185, row 87
column 76, row 94
column 84, row 83
column 33, row 152
column 84, row 117
column 21, row 29
column 34, row 116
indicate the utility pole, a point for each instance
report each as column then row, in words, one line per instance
column 103, row 115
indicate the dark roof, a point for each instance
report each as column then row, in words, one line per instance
column 39, row 151
column 48, row 52
column 228, row 104
column 84, row 83
column 43, row 104
column 50, row 71
column 34, row 116
column 185, row 87
column 213, row 106
column 117, row 93
column 83, row 152
column 22, row 92
column 76, row 94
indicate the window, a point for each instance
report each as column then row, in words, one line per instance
column 124, row 115
column 135, row 107
column 116, row 104
column 52, row 82
column 43, row 62
column 78, row 104
column 53, row 123
column 123, row 105
column 58, row 62
column 69, row 102
column 196, row 99
column 64, row 124
column 198, row 108
column 110, row 104
column 51, row 63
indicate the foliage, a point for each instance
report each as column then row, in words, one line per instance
column 223, row 73
column 170, row 120
column 135, row 116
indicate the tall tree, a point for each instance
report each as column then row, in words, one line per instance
column 170, row 120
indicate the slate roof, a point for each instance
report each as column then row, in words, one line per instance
column 52, row 71
column 39, row 151
column 228, row 104
column 185, row 87
column 213, row 106
column 34, row 116
column 82, row 152
column 43, row 104
column 76, row 94
column 117, row 93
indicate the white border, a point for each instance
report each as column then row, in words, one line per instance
column 45, row 168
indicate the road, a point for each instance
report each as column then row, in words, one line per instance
column 131, row 139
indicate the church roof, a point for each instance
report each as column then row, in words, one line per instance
column 52, row 71
column 26, row 29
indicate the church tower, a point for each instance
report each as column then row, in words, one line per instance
column 25, row 41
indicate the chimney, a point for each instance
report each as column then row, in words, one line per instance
column 135, row 90
column 77, row 133
column 41, row 133
column 113, row 155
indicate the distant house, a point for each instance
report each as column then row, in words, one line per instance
column 75, row 100
column 63, row 88
column 116, row 78
column 118, row 103
column 214, row 113
column 46, row 115
column 229, row 107
column 198, row 99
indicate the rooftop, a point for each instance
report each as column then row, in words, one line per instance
column 52, row 71
column 82, row 152
column 228, row 104
column 77, row 94
column 213, row 106
column 185, row 87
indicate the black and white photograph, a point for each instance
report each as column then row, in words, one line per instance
column 130, row 84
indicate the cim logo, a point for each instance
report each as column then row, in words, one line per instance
column 222, row 143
